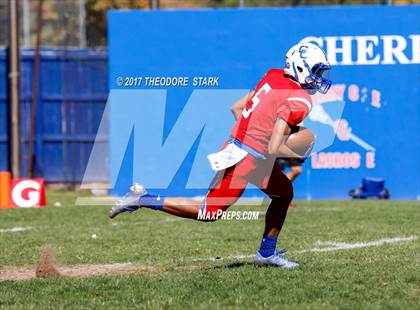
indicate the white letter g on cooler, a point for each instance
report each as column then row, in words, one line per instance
column 32, row 191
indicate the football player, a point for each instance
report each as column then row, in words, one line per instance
column 265, row 118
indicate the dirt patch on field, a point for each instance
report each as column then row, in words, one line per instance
column 47, row 267
column 100, row 269
column 47, row 264
column 78, row 271
column 15, row 273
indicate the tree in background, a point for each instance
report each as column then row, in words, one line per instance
column 61, row 21
column 96, row 20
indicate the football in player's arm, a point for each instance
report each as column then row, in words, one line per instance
column 263, row 133
column 301, row 140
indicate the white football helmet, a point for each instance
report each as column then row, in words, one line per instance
column 307, row 63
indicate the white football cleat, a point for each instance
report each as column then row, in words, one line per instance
column 275, row 260
column 130, row 202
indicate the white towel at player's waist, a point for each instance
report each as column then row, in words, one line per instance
column 233, row 153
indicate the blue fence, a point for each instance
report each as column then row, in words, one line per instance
column 375, row 53
column 73, row 90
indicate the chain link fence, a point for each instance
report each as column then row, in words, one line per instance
column 4, row 30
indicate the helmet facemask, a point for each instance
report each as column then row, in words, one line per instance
column 316, row 80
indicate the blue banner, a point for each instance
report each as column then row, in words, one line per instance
column 174, row 74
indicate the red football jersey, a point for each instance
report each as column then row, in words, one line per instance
column 276, row 96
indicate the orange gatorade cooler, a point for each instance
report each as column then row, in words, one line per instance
column 5, row 178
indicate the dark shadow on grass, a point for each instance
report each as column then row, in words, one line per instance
column 232, row 265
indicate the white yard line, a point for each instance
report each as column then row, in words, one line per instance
column 337, row 246
column 333, row 246
column 14, row 229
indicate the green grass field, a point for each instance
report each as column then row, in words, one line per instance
column 180, row 275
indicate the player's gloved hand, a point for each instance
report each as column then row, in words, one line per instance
column 291, row 161
column 298, row 160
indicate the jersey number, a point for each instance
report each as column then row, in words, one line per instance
column 256, row 100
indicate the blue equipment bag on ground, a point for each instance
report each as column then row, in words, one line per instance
column 371, row 188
